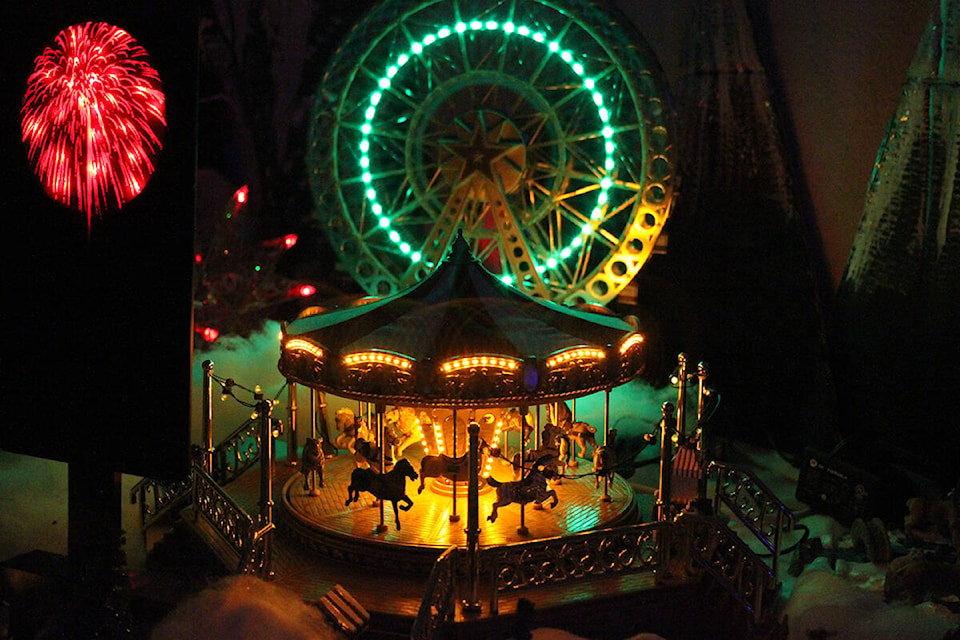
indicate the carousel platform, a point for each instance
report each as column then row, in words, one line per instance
column 363, row 536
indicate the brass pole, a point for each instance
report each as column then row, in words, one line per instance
column 381, row 409
column 472, row 601
column 606, row 442
column 454, row 516
column 292, row 444
column 522, row 529
column 668, row 426
column 207, row 408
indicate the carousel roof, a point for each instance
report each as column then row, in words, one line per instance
column 460, row 338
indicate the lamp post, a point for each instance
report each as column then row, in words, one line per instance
column 207, row 408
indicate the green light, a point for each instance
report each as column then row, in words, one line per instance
column 506, row 279
column 256, row 268
column 553, row 46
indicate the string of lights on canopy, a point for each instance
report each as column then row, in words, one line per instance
column 461, row 338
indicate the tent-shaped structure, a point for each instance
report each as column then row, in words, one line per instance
column 461, row 338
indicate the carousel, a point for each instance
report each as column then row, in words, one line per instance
column 465, row 392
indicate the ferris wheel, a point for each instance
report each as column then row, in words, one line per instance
column 539, row 128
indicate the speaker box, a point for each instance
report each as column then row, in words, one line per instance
column 837, row 488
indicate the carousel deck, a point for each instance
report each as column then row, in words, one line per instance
column 321, row 543
column 435, row 521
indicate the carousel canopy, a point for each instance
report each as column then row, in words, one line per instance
column 460, row 338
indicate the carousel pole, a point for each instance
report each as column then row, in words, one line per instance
column 454, row 516
column 606, row 435
column 472, row 601
column 668, row 426
column 381, row 409
column 522, row 529
column 702, row 449
column 263, row 409
column 313, row 434
column 207, row 416
column 681, row 396
column 292, row 444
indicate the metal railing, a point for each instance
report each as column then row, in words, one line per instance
column 243, row 535
column 156, row 499
column 721, row 553
column 438, row 601
column 755, row 505
column 237, row 452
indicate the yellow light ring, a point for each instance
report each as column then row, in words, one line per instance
column 299, row 344
column 480, row 362
column 378, row 357
column 632, row 341
column 577, row 353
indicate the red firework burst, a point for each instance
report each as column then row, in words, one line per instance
column 93, row 118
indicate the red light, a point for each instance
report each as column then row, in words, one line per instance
column 209, row 333
column 306, row 290
column 289, row 240
column 241, row 194
column 198, row 258
column 93, row 117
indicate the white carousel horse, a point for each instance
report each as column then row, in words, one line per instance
column 349, row 428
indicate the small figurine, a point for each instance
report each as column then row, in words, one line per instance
column 390, row 486
column 312, row 460
column 532, row 488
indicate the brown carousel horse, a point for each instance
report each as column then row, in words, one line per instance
column 390, row 486
column 552, row 451
column 532, row 488
column 444, row 466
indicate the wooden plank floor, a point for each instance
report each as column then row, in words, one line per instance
column 428, row 522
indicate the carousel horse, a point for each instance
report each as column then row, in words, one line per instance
column 390, row 486
column 366, row 454
column 349, row 428
column 532, row 488
column 400, row 429
column 580, row 434
column 311, row 459
column 552, row 450
column 512, row 421
column 605, row 459
column 444, row 466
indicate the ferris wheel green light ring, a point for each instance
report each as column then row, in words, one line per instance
column 508, row 28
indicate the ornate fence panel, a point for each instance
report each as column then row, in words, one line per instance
column 247, row 542
column 237, row 452
column 590, row 554
column 438, row 601
column 156, row 498
column 753, row 504
column 735, row 567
